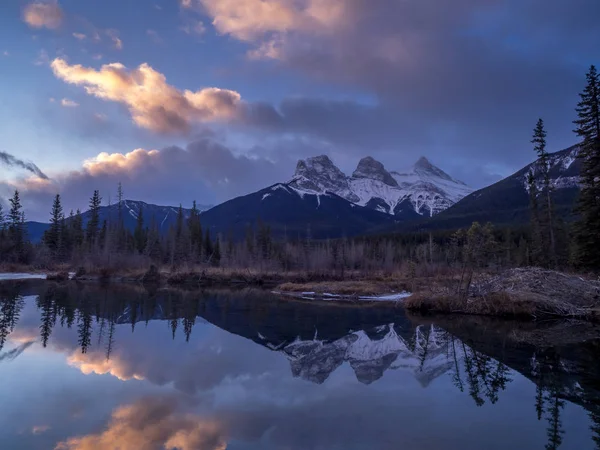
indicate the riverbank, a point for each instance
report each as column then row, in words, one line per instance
column 522, row 292
column 527, row 293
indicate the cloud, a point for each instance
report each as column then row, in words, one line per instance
column 193, row 27
column 250, row 19
column 152, row 102
column 98, row 364
column 152, row 423
column 79, row 36
column 114, row 36
column 6, row 53
column 12, row 161
column 43, row 15
column 39, row 429
column 449, row 74
column 69, row 103
column 206, row 171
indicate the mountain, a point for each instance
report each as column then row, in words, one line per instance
column 370, row 353
column 294, row 213
column 319, row 202
column 163, row 216
column 423, row 189
column 370, row 340
column 507, row 201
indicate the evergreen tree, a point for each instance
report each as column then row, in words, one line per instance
column 140, row 234
column 195, row 229
column 587, row 230
column 121, row 236
column 216, row 259
column 91, row 232
column 537, row 244
column 103, row 236
column 153, row 247
column 208, row 247
column 76, row 231
column 16, row 228
column 53, row 234
column 547, row 224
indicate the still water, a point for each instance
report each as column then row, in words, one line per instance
column 86, row 367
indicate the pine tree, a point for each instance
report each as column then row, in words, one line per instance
column 120, row 227
column 16, row 229
column 216, row 259
column 153, row 248
column 208, row 247
column 587, row 230
column 140, row 233
column 537, row 244
column 53, row 234
column 547, row 224
column 195, row 228
column 77, row 229
column 91, row 232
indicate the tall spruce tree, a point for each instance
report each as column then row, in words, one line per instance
column 16, row 229
column 195, row 229
column 140, row 233
column 53, row 234
column 91, row 232
column 587, row 229
column 537, row 244
column 76, row 224
column 546, row 214
column 208, row 247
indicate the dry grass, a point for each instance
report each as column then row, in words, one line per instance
column 528, row 292
column 346, row 288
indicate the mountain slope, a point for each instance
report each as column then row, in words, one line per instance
column 423, row 189
column 507, row 201
column 293, row 213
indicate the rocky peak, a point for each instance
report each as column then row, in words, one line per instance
column 319, row 166
column 320, row 174
column 374, row 170
column 424, row 167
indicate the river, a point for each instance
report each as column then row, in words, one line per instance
column 127, row 367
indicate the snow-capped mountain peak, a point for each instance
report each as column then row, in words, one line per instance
column 426, row 169
column 423, row 189
column 374, row 170
column 320, row 175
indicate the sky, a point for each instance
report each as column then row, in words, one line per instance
column 205, row 100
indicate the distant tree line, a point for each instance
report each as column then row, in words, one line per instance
column 548, row 241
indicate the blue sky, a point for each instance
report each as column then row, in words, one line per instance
column 461, row 83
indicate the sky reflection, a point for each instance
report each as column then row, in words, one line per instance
column 225, row 390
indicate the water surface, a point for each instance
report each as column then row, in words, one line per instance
column 89, row 367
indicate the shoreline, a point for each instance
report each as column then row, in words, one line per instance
column 525, row 293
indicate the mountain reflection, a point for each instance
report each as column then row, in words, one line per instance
column 316, row 338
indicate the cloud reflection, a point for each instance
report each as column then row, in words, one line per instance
column 152, row 423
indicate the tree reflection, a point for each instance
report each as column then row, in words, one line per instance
column 485, row 376
column 475, row 368
column 11, row 304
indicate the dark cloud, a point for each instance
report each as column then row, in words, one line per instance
column 12, row 161
column 452, row 80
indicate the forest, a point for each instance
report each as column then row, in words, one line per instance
column 549, row 241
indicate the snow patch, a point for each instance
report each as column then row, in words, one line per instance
column 22, row 276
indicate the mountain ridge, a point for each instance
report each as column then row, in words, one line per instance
column 424, row 188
